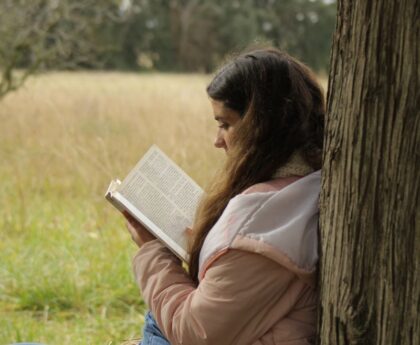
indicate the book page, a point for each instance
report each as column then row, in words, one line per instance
column 167, row 196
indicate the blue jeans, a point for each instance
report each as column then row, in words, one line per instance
column 151, row 332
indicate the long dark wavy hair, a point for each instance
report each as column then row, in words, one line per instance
column 282, row 111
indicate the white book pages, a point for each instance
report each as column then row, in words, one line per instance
column 161, row 196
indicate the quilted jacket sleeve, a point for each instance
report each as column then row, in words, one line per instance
column 241, row 296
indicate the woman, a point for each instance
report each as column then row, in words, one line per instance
column 253, row 259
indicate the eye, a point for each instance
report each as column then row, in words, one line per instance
column 223, row 125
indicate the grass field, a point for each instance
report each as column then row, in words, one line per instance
column 65, row 257
column 65, row 273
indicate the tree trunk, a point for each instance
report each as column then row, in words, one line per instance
column 370, row 231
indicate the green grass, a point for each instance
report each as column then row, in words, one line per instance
column 65, row 256
column 66, row 276
column 72, row 328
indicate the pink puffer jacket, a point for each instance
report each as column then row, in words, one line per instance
column 257, row 272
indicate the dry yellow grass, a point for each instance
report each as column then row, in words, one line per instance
column 89, row 127
column 65, row 273
column 97, row 125
column 64, row 261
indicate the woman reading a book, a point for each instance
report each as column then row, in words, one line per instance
column 253, row 256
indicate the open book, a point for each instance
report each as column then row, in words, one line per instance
column 160, row 196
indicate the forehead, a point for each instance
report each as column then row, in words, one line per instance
column 221, row 112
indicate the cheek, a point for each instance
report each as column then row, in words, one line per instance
column 230, row 135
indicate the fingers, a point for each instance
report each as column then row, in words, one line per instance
column 133, row 222
column 138, row 232
column 133, row 232
column 128, row 216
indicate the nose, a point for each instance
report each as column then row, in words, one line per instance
column 219, row 142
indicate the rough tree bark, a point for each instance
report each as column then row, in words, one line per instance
column 370, row 224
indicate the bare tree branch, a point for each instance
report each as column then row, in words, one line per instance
column 37, row 34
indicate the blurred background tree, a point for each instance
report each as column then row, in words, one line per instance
column 52, row 34
column 65, row 274
column 164, row 35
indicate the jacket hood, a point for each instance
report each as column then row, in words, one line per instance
column 281, row 223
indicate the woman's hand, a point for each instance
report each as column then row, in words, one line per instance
column 139, row 233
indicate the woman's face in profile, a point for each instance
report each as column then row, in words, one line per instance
column 227, row 120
